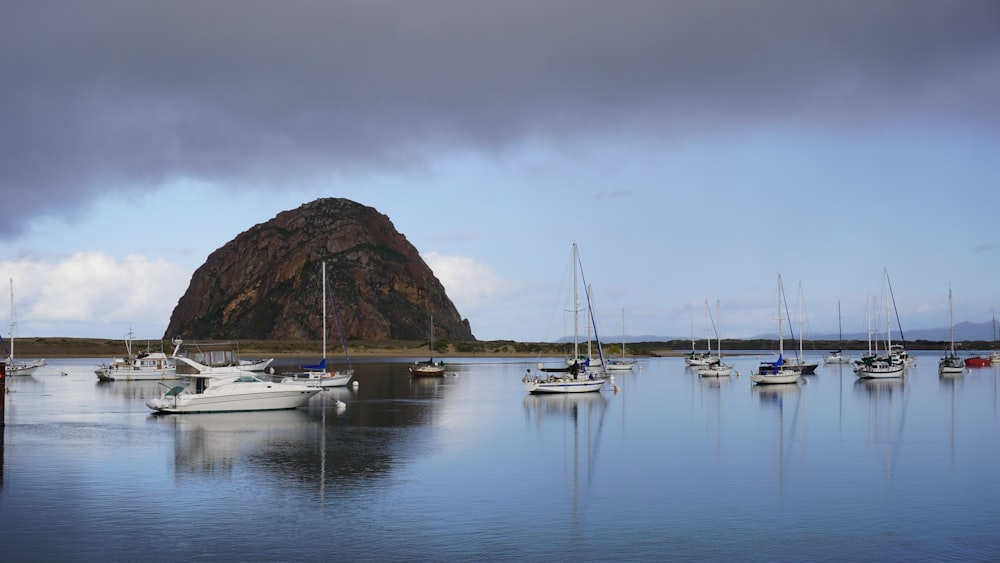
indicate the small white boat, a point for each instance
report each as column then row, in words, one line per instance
column 769, row 373
column 624, row 363
column 143, row 366
column 582, row 376
column 584, row 381
column 230, row 392
column 837, row 356
column 950, row 362
column 876, row 368
column 14, row 367
column 317, row 375
column 716, row 369
column 893, row 364
column 428, row 368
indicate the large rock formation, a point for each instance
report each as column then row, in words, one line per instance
column 265, row 284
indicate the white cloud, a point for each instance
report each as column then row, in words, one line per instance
column 470, row 285
column 94, row 294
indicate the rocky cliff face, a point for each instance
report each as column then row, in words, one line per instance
column 266, row 283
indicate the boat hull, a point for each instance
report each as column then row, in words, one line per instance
column 775, row 378
column 977, row 362
column 716, row 371
column 255, row 401
column 110, row 374
column 423, row 369
column 880, row 372
column 321, row 381
column 24, row 368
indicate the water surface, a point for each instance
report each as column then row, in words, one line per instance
column 470, row 467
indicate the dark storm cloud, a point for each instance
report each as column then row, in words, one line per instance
column 104, row 95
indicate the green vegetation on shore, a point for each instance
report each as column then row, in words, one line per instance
column 56, row 347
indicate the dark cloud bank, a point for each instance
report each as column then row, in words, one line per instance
column 102, row 95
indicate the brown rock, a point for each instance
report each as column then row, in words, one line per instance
column 265, row 283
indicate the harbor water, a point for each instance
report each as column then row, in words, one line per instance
column 660, row 465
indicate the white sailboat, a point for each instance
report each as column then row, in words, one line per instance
column 717, row 369
column 581, row 378
column 317, row 375
column 624, row 363
column 873, row 366
column 13, row 366
column 951, row 363
column 800, row 363
column 428, row 368
column 837, row 356
column 776, row 372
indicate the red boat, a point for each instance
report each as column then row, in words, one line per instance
column 977, row 362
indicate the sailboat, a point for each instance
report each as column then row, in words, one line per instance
column 717, row 369
column 14, row 367
column 837, row 356
column 317, row 375
column 995, row 356
column 776, row 372
column 624, row 363
column 428, row 368
column 951, row 363
column 581, row 378
column 799, row 363
column 873, row 366
column 700, row 359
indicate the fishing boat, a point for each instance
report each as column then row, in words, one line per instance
column 837, row 356
column 428, row 368
column 624, row 363
column 15, row 367
column 773, row 373
column 139, row 366
column 951, row 363
column 229, row 392
column 581, row 378
column 719, row 368
column 317, row 375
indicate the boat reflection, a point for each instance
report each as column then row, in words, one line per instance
column 215, row 443
column 774, row 397
column 583, row 413
column 885, row 397
column 139, row 390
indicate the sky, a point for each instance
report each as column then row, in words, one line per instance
column 693, row 149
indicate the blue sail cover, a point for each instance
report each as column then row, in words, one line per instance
column 777, row 364
column 319, row 367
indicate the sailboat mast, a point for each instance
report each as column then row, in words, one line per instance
column 576, row 310
column 11, row 319
column 781, row 335
column 888, row 323
column 718, row 330
column 323, row 278
column 840, row 328
column 951, row 322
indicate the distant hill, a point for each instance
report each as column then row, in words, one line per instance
column 964, row 331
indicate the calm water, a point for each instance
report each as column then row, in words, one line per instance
column 469, row 467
